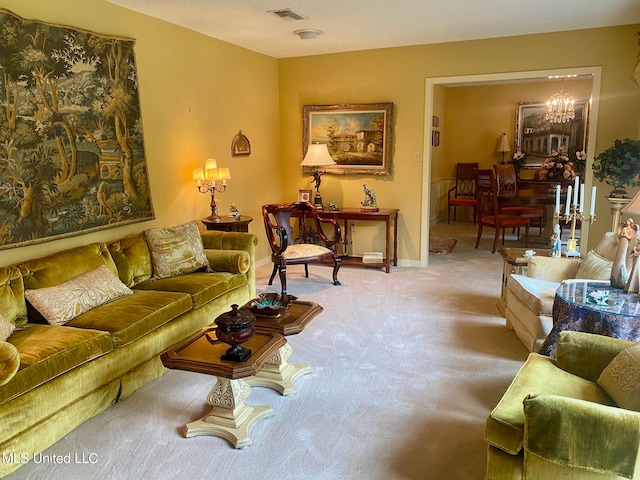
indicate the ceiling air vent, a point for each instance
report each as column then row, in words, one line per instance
column 287, row 14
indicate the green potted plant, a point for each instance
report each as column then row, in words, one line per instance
column 619, row 165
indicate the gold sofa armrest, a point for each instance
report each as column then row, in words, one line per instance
column 565, row 432
column 215, row 240
column 9, row 362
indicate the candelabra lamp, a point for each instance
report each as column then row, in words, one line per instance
column 317, row 156
column 212, row 180
column 574, row 211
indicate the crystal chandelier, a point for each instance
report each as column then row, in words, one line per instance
column 560, row 107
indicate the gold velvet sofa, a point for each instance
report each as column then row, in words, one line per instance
column 66, row 374
column 556, row 419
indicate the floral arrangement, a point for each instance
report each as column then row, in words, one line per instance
column 557, row 167
column 518, row 159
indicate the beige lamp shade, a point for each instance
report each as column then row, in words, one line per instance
column 198, row 174
column 504, row 144
column 211, row 164
column 317, row 156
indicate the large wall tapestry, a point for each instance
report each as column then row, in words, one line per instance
column 71, row 151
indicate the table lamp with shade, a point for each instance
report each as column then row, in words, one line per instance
column 504, row 147
column 212, row 179
column 317, row 156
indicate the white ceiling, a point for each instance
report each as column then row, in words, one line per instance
column 366, row 24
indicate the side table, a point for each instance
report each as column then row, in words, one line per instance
column 574, row 309
column 514, row 262
column 277, row 373
column 230, row 417
column 228, row 224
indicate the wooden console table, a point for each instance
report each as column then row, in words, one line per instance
column 386, row 215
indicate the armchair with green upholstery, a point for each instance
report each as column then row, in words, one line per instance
column 557, row 421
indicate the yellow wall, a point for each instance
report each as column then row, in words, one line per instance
column 196, row 93
column 398, row 75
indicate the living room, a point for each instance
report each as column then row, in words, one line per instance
column 197, row 92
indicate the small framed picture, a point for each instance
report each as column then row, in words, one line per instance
column 304, row 195
column 436, row 121
column 240, row 146
column 435, row 138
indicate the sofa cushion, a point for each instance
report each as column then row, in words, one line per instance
column 594, row 267
column 62, row 266
column 621, row 378
column 176, row 250
column 67, row 300
column 132, row 257
column 538, row 375
column 553, row 269
column 536, row 294
column 12, row 303
column 202, row 286
column 129, row 318
column 47, row 351
column 6, row 328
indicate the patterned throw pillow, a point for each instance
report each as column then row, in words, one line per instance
column 176, row 250
column 6, row 328
column 621, row 378
column 65, row 301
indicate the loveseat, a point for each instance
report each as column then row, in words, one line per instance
column 530, row 297
column 575, row 418
column 55, row 376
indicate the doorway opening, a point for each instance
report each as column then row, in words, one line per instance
column 495, row 79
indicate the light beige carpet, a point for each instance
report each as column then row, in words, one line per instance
column 406, row 368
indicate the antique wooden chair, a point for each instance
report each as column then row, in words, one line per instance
column 508, row 197
column 489, row 213
column 311, row 245
column 463, row 193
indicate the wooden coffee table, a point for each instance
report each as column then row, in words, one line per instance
column 230, row 417
column 277, row 373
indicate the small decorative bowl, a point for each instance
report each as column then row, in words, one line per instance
column 270, row 305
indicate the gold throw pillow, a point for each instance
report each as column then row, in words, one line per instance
column 176, row 250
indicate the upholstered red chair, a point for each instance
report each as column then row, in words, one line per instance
column 463, row 193
column 311, row 245
column 507, row 197
column 488, row 209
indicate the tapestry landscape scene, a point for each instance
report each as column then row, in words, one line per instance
column 71, row 147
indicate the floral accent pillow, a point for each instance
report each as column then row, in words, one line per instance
column 621, row 378
column 176, row 250
column 65, row 301
column 6, row 328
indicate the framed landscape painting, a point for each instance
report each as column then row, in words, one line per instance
column 358, row 136
column 71, row 149
column 537, row 138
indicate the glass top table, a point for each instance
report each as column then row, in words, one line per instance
column 579, row 306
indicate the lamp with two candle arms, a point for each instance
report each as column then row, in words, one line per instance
column 212, row 179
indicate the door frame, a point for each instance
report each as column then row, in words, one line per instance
column 488, row 79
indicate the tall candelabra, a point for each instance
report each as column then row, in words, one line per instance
column 573, row 216
column 212, row 179
column 574, row 212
